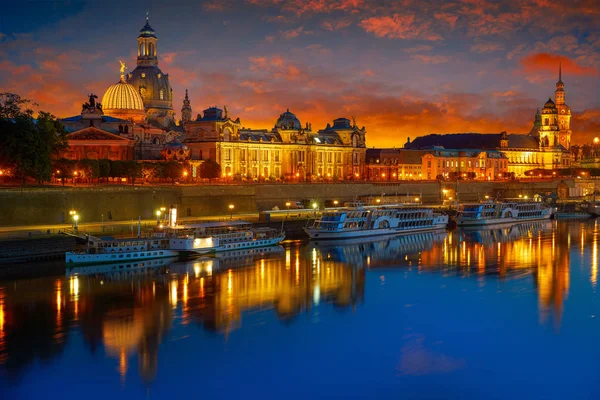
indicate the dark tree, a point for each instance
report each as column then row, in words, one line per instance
column 210, row 170
column 103, row 168
column 27, row 144
column 172, row 170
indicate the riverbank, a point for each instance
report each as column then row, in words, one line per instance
column 51, row 205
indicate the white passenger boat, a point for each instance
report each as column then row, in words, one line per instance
column 101, row 251
column 501, row 212
column 361, row 221
column 231, row 235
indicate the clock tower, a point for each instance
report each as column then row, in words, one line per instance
column 564, row 113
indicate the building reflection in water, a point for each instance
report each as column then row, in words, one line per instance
column 126, row 312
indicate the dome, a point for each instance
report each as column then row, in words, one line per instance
column 549, row 104
column 121, row 100
column 147, row 30
column 288, row 120
column 153, row 86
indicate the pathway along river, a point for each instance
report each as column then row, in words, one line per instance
column 507, row 313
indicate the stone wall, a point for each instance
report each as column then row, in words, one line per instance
column 51, row 205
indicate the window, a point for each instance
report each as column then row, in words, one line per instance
column 254, row 155
column 143, row 74
column 161, row 94
column 276, row 155
column 243, row 155
column 265, row 155
column 227, row 154
column 329, row 157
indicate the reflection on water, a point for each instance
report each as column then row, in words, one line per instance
column 125, row 312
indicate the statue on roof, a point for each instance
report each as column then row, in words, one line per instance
column 226, row 112
column 353, row 121
column 92, row 101
column 122, row 68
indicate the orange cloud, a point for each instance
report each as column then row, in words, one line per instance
column 399, row 26
column 425, row 59
column 535, row 63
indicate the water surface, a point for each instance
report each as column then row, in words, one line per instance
column 501, row 313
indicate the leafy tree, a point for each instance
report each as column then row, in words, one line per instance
column 63, row 169
column 172, row 170
column 116, row 169
column 27, row 144
column 132, row 170
column 89, row 169
column 210, row 170
column 103, row 168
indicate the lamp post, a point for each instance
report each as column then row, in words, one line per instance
column 335, row 203
column 231, row 207
column 314, row 206
column 158, row 217
column 75, row 178
column 75, row 220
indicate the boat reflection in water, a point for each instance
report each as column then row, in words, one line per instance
column 127, row 312
column 264, row 278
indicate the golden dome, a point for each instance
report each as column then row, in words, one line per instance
column 122, row 96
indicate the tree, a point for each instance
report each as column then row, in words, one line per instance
column 89, row 169
column 210, row 169
column 63, row 169
column 27, row 144
column 103, row 168
column 116, row 168
column 172, row 170
column 132, row 169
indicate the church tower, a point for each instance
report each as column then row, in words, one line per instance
column 186, row 110
column 151, row 83
column 564, row 112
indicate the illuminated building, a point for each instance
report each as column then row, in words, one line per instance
column 435, row 163
column 545, row 147
column 288, row 150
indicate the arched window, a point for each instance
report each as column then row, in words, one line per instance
column 141, row 50
column 161, row 94
column 151, row 49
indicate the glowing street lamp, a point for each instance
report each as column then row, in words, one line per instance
column 417, row 199
column 75, row 220
column 378, row 200
column 596, row 140
column 335, row 202
column 231, row 207
column 158, row 217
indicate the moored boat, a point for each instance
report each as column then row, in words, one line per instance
column 359, row 221
column 501, row 212
column 232, row 235
column 100, row 251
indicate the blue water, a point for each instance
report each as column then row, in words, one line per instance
column 498, row 314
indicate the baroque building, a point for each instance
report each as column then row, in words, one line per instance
column 546, row 146
column 289, row 150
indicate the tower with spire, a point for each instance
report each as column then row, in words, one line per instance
column 564, row 112
column 186, row 110
column 151, row 83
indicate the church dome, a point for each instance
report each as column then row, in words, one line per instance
column 121, row 100
column 549, row 107
column 288, row 120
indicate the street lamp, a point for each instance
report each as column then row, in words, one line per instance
column 596, row 140
column 335, row 202
column 417, row 199
column 158, row 217
column 75, row 219
column 231, row 207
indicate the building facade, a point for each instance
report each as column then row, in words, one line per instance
column 287, row 151
column 545, row 147
column 435, row 163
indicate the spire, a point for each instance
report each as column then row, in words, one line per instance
column 560, row 71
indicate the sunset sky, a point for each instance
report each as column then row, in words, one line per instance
column 403, row 68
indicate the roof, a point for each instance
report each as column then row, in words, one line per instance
column 480, row 141
column 92, row 133
column 457, row 141
column 516, row 141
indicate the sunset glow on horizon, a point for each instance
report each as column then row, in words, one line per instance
column 403, row 69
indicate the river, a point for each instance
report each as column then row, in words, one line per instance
column 500, row 314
